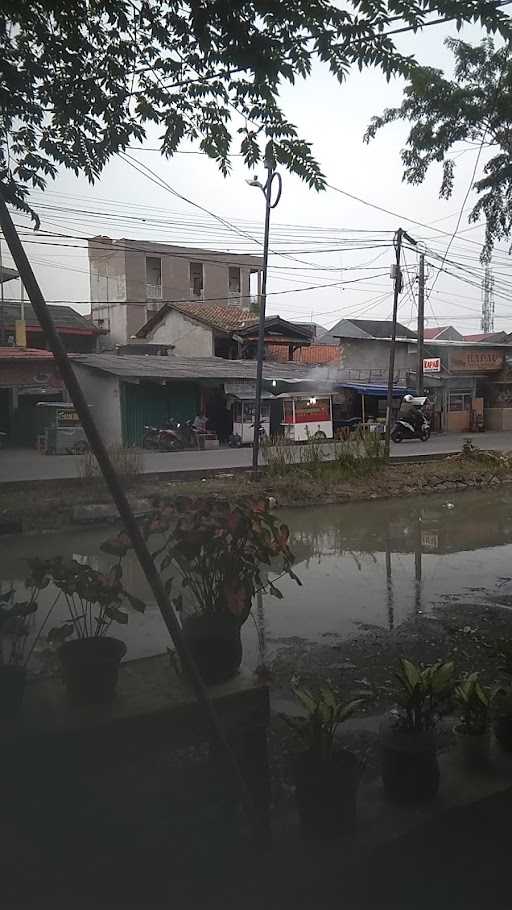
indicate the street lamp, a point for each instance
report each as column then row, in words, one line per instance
column 270, row 165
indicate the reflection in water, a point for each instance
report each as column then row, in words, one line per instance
column 373, row 563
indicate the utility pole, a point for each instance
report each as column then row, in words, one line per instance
column 270, row 165
column 396, row 274
column 421, row 325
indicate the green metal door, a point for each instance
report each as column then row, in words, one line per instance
column 149, row 404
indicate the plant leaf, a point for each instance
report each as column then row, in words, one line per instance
column 135, row 602
column 116, row 614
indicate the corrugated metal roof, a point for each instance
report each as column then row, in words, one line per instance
column 133, row 366
column 65, row 318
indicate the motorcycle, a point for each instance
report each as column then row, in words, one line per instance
column 171, row 437
column 405, row 430
column 166, row 438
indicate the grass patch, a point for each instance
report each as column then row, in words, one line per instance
column 346, row 479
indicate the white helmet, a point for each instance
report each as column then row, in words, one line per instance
column 408, row 398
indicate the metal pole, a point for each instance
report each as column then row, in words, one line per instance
column 421, row 325
column 118, row 495
column 2, row 309
column 391, row 373
column 270, row 164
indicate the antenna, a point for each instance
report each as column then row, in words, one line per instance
column 487, row 320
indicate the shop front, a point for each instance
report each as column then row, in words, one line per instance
column 468, row 385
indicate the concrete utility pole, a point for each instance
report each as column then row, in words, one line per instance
column 397, row 276
column 270, row 164
column 421, row 325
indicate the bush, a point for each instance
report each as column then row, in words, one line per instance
column 127, row 463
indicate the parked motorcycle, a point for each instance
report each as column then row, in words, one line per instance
column 151, row 438
column 405, row 430
column 172, row 437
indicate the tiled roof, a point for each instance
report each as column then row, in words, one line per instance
column 487, row 336
column 65, row 318
column 11, row 353
column 433, row 332
column 223, row 318
column 314, row 353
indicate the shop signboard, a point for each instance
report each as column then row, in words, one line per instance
column 312, row 410
column 432, row 365
column 475, row 361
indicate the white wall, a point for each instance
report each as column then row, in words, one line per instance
column 102, row 393
column 190, row 338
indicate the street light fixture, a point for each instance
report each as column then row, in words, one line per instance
column 270, row 165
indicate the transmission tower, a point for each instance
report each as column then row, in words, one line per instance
column 487, row 320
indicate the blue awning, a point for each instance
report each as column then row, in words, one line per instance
column 377, row 391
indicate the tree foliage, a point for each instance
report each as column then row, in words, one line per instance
column 473, row 107
column 82, row 80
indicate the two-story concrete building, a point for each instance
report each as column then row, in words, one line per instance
column 131, row 279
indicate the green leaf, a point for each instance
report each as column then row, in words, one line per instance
column 306, row 699
column 410, row 672
column 116, row 614
column 135, row 602
column 59, row 634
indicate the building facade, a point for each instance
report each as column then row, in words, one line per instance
column 131, row 279
column 26, row 378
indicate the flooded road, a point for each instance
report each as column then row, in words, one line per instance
column 363, row 564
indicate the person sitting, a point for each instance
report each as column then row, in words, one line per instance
column 411, row 412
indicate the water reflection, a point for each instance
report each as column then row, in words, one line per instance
column 367, row 564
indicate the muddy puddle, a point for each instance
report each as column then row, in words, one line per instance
column 364, row 567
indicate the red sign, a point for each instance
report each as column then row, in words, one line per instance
column 432, row 365
column 312, row 411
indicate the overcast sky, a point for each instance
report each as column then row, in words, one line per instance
column 334, row 118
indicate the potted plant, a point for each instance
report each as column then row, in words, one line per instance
column 88, row 654
column 326, row 777
column 473, row 729
column 410, row 771
column 14, row 632
column 15, row 629
column 220, row 552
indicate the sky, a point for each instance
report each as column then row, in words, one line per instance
column 305, row 223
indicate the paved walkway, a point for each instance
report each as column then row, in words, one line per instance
column 27, row 464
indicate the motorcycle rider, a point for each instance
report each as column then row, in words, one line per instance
column 411, row 412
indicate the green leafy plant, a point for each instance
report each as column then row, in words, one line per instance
column 474, row 107
column 14, row 628
column 220, row 551
column 421, row 693
column 82, row 84
column 94, row 599
column 324, row 713
column 474, row 702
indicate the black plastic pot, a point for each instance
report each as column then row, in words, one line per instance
column 409, row 766
column 90, row 667
column 214, row 642
column 503, row 731
column 12, row 689
column 326, row 792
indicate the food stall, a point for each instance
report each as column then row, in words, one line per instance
column 241, row 397
column 307, row 417
column 59, row 429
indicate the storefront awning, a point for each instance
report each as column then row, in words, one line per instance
column 377, row 391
